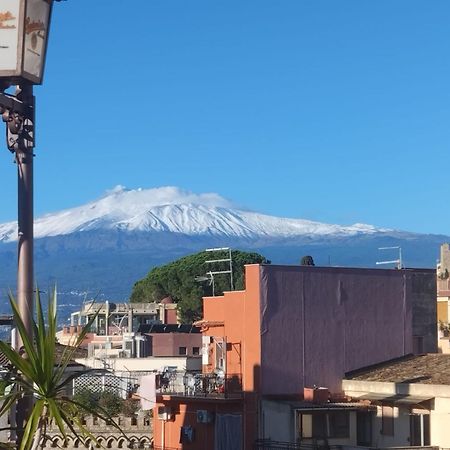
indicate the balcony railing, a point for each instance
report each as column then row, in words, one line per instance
column 191, row 384
column 267, row 444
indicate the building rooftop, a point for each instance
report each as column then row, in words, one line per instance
column 432, row 368
column 167, row 328
column 59, row 352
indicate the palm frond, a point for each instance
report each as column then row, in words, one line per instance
column 32, row 425
column 37, row 373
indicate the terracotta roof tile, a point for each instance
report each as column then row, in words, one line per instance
column 432, row 368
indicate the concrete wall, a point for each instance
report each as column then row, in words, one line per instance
column 278, row 423
column 144, row 364
column 328, row 321
column 401, row 428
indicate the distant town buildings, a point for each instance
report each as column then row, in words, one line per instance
column 131, row 340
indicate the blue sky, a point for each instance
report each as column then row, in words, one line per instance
column 336, row 111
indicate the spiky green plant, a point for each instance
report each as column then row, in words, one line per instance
column 42, row 375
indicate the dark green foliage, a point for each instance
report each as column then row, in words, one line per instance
column 110, row 402
column 307, row 261
column 177, row 279
column 88, row 399
column 130, row 407
column 92, row 401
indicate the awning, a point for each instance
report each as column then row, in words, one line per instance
column 348, row 406
column 395, row 398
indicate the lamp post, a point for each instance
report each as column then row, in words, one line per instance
column 24, row 27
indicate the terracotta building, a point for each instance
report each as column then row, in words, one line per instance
column 293, row 327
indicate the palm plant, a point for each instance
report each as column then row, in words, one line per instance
column 41, row 375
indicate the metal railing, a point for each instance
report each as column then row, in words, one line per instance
column 267, row 444
column 192, row 384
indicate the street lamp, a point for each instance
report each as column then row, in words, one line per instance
column 24, row 27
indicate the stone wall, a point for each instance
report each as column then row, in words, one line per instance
column 137, row 433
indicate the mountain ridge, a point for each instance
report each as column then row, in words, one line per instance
column 103, row 247
column 171, row 209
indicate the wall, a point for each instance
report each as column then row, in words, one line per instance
column 168, row 344
column 277, row 422
column 442, row 309
column 421, row 289
column 401, row 428
column 445, row 257
column 236, row 316
column 167, row 433
column 170, row 316
column 339, row 319
column 439, row 422
column 143, row 364
column 136, row 435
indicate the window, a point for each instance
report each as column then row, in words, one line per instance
column 182, row 350
column 196, row 351
column 387, row 420
column 331, row 424
column 419, row 429
column 363, row 429
column 338, row 424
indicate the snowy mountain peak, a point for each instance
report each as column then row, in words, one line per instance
column 171, row 209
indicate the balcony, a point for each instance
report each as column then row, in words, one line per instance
column 267, row 444
column 192, row 384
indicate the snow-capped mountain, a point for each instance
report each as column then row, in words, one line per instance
column 170, row 209
column 105, row 246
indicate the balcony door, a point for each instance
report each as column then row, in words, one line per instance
column 419, row 426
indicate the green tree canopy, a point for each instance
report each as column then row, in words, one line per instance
column 307, row 260
column 178, row 279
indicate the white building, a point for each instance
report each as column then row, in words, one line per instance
column 412, row 399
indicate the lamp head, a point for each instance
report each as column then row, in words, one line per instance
column 24, row 27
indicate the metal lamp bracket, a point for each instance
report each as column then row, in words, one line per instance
column 18, row 115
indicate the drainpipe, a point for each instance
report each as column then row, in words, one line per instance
column 106, row 318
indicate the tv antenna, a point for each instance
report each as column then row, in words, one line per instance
column 398, row 261
column 210, row 274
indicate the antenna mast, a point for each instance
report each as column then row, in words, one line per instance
column 228, row 260
column 398, row 261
